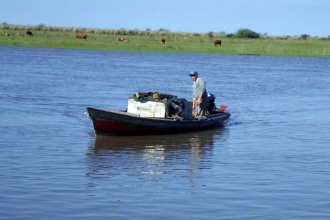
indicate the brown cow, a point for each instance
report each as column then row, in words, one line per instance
column 162, row 41
column 217, row 42
column 81, row 36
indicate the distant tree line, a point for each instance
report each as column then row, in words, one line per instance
column 241, row 33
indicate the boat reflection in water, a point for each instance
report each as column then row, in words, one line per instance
column 149, row 155
column 169, row 142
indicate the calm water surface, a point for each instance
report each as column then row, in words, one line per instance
column 271, row 161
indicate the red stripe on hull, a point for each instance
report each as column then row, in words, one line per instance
column 105, row 126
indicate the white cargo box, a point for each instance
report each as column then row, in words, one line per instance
column 147, row 109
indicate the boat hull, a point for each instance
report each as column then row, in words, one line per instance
column 123, row 123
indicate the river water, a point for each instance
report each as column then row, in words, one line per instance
column 270, row 161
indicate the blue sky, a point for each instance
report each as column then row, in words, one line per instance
column 274, row 17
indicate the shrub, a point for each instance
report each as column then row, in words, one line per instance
column 40, row 27
column 196, row 34
column 304, row 36
column 229, row 35
column 163, row 30
column 210, row 34
column 246, row 33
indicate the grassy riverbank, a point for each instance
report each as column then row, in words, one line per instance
column 175, row 42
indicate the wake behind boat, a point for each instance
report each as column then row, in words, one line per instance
column 154, row 113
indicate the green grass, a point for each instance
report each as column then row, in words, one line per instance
column 175, row 42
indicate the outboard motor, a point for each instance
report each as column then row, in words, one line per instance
column 211, row 103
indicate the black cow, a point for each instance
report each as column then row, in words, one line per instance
column 162, row 41
column 29, row 33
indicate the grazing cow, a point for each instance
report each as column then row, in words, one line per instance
column 162, row 41
column 29, row 33
column 81, row 36
column 122, row 39
column 216, row 43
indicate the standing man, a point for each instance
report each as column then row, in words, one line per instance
column 199, row 95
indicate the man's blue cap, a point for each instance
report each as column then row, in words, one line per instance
column 193, row 73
